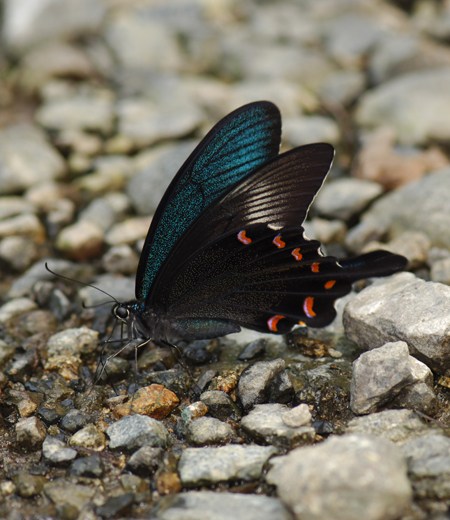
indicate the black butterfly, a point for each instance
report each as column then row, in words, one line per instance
column 226, row 249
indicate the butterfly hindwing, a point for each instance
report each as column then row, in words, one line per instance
column 237, row 145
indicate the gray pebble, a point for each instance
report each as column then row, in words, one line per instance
column 133, row 431
column 91, row 467
column 358, row 475
column 414, row 121
column 121, row 259
column 27, row 158
column 145, row 461
column 372, row 318
column 56, row 453
column 220, row 405
column 310, row 129
column 281, row 389
column 145, row 123
column 253, row 350
column 64, row 492
column 345, row 198
column 30, row 433
column 74, row 420
column 19, row 252
column 222, row 506
column 147, row 186
column 72, row 342
column 265, row 425
column 208, row 430
column 379, row 375
column 207, row 466
column 297, row 416
column 16, row 307
column 396, row 212
column 80, row 112
column 206, row 378
column 193, row 412
column 254, row 383
column 399, row 426
column 440, row 271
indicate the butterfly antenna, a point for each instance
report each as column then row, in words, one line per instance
column 81, row 283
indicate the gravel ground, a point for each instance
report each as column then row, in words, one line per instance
column 100, row 104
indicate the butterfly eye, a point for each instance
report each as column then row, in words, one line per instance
column 121, row 312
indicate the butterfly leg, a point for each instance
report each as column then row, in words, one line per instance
column 183, row 364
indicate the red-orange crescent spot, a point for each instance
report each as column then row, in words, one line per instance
column 296, row 254
column 242, row 238
column 308, row 307
column 315, row 267
column 273, row 321
column 278, row 242
column 330, row 284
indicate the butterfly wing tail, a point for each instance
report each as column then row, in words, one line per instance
column 377, row 263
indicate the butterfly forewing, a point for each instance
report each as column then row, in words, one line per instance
column 236, row 146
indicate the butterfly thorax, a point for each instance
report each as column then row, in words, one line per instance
column 141, row 321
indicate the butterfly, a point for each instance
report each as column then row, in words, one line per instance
column 226, row 247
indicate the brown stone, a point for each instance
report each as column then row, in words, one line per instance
column 154, row 400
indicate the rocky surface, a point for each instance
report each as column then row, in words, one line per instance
column 100, row 104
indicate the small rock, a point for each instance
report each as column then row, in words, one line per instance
column 6, row 353
column 297, row 416
column 281, row 389
column 81, row 241
column 207, row 466
column 28, row 485
column 415, row 122
column 357, row 475
column 129, row 231
column 210, row 504
column 91, row 112
column 90, row 467
column 193, row 412
column 16, row 307
column 167, row 483
column 344, row 198
column 52, row 413
column 379, row 375
column 154, row 401
column 310, row 129
column 265, row 425
column 30, row 433
column 220, row 405
column 440, row 271
column 145, row 461
column 27, row 158
column 120, row 259
column 419, row 396
column 21, row 368
column 255, row 381
column 177, row 381
column 146, row 123
column 133, row 431
column 89, row 437
column 73, row 342
column 64, row 492
column 55, row 452
column 208, row 430
column 39, row 321
column 414, row 245
column 115, row 505
column 372, row 318
column 396, row 212
column 26, row 402
column 18, row 252
column 253, row 349
column 205, row 379
column 398, row 426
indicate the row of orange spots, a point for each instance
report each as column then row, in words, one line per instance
column 307, row 308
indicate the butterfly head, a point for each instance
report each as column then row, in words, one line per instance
column 121, row 312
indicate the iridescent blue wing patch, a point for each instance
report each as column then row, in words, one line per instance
column 240, row 143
